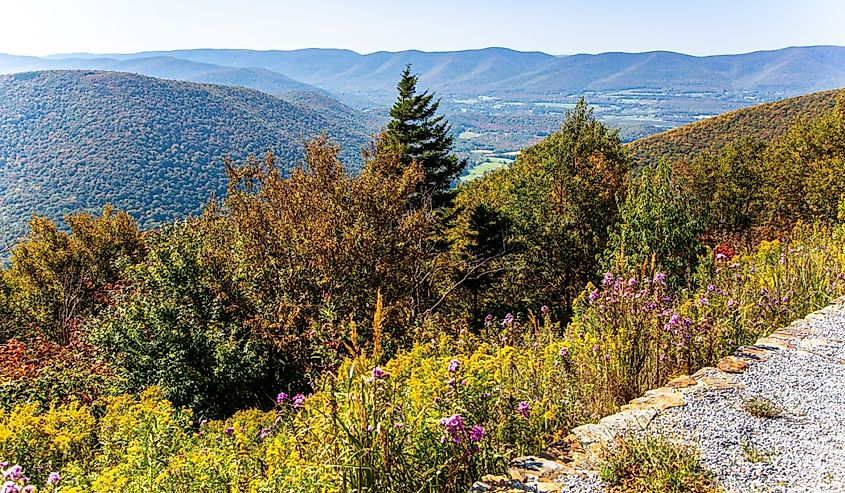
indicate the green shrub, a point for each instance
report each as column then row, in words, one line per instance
column 56, row 279
column 179, row 327
column 659, row 225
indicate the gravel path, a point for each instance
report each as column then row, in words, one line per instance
column 801, row 450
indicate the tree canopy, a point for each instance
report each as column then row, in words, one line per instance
column 423, row 136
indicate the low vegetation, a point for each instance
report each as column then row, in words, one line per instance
column 320, row 330
column 754, row 454
column 761, row 407
column 656, row 464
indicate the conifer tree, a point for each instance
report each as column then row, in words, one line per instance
column 423, row 136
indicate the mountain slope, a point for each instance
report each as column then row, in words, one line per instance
column 74, row 140
column 766, row 121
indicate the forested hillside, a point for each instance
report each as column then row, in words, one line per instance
column 75, row 140
column 765, row 122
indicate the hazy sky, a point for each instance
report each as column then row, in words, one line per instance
column 39, row 27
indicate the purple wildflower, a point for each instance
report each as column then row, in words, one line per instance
column 674, row 320
column 378, row 372
column 596, row 348
column 608, row 279
column 507, row 320
column 281, row 397
column 564, row 352
column 660, row 278
column 476, row 434
column 454, row 366
column 594, row 295
column 399, row 426
column 229, row 430
column 454, row 427
column 298, row 399
column 13, row 473
column 10, row 487
column 28, row 488
column 702, row 301
column 522, row 409
column 488, row 320
column 53, row 478
column 264, row 433
column 721, row 257
column 732, row 302
column 544, row 310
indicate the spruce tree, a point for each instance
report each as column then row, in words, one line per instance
column 423, row 137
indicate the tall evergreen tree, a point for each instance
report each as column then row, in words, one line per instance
column 423, row 137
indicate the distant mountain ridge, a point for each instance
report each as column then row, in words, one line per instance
column 75, row 140
column 788, row 71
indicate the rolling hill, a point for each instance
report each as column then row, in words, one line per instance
column 75, row 140
column 766, row 122
column 165, row 67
